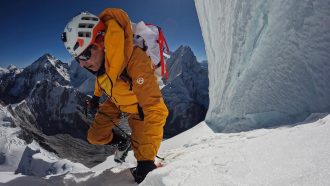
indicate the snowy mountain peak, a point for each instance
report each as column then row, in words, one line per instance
column 11, row 67
column 45, row 56
column 182, row 59
column 44, row 59
column 186, row 91
column 184, row 52
column 10, row 70
column 17, row 86
column 183, row 49
column 47, row 65
column 48, row 61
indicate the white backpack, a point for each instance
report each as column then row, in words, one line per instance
column 151, row 39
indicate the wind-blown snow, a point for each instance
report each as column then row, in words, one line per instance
column 268, row 61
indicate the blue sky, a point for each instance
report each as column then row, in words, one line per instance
column 30, row 29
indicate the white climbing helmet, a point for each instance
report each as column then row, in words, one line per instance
column 80, row 32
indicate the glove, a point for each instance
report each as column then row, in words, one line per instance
column 91, row 107
column 93, row 103
column 142, row 169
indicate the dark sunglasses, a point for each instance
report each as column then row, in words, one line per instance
column 85, row 55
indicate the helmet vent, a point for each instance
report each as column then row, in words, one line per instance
column 90, row 18
column 84, row 34
column 85, row 25
column 76, row 46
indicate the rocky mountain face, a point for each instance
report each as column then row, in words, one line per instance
column 50, row 110
column 186, row 92
column 44, row 86
column 15, row 87
column 60, row 109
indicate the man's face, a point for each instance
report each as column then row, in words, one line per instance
column 96, row 58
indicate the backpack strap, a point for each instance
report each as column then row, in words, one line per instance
column 162, row 43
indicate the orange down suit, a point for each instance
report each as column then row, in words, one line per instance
column 120, row 53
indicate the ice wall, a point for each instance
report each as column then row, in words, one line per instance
column 269, row 61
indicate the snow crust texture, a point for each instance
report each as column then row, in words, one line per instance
column 281, row 156
column 268, row 61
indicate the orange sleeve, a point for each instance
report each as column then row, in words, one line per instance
column 114, row 50
column 118, row 41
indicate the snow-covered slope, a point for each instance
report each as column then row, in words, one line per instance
column 30, row 159
column 11, row 147
column 281, row 156
column 268, row 61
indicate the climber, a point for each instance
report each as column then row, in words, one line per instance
column 124, row 73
